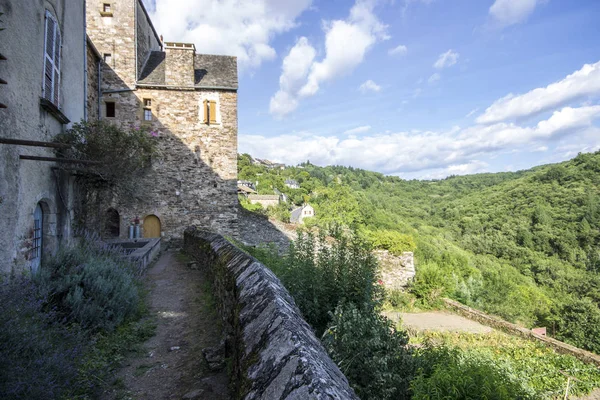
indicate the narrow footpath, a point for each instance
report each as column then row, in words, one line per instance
column 172, row 365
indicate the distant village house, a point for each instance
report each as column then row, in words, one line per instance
column 292, row 184
column 297, row 216
column 246, row 188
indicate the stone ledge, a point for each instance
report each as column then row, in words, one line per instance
column 54, row 111
column 274, row 352
column 514, row 329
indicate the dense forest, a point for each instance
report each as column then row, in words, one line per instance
column 522, row 245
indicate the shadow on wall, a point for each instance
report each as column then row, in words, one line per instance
column 256, row 229
column 184, row 185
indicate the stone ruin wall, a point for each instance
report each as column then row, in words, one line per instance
column 396, row 271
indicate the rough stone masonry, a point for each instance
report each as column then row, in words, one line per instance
column 274, row 352
column 168, row 88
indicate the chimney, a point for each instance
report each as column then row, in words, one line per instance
column 179, row 64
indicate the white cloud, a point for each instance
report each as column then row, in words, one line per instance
column 581, row 83
column 509, row 12
column 469, row 167
column 295, row 69
column 400, row 50
column 405, row 152
column 472, row 112
column 362, row 29
column 358, row 129
column 446, row 59
column 233, row 27
column 369, row 86
column 434, row 78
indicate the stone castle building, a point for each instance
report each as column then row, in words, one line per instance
column 189, row 101
column 52, row 75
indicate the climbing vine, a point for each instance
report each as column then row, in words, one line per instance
column 120, row 155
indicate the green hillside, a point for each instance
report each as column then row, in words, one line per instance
column 522, row 245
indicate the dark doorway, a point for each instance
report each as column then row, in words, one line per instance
column 112, row 227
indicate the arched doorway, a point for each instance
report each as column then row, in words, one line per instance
column 37, row 240
column 112, row 224
column 151, row 226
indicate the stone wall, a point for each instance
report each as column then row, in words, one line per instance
column 193, row 181
column 274, row 353
column 179, row 66
column 508, row 327
column 24, row 183
column 93, row 84
column 115, row 35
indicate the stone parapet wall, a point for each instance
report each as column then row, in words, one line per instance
column 274, row 352
column 508, row 327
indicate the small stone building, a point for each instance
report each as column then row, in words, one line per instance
column 42, row 62
column 297, row 216
column 189, row 102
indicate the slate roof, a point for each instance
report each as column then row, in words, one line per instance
column 154, row 70
column 210, row 71
column 295, row 215
column 245, row 189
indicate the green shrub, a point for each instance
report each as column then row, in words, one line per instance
column 393, row 241
column 320, row 276
column 39, row 356
column 399, row 300
column 430, row 284
column 281, row 212
column 122, row 154
column 96, row 289
column 370, row 352
column 449, row 373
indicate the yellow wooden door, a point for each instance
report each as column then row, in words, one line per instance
column 151, row 226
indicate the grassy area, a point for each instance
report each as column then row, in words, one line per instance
column 538, row 368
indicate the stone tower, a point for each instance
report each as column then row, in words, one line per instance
column 189, row 101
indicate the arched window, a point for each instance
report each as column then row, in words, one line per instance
column 112, row 224
column 37, row 244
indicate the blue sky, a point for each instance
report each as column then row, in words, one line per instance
column 415, row 88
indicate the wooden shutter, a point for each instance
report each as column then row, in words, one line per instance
column 213, row 112
column 52, row 44
column 205, row 111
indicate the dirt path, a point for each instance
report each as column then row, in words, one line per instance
column 438, row 321
column 173, row 366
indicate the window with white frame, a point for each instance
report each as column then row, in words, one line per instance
column 52, row 47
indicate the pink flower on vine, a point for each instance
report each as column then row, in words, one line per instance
column 154, row 134
column 379, row 282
